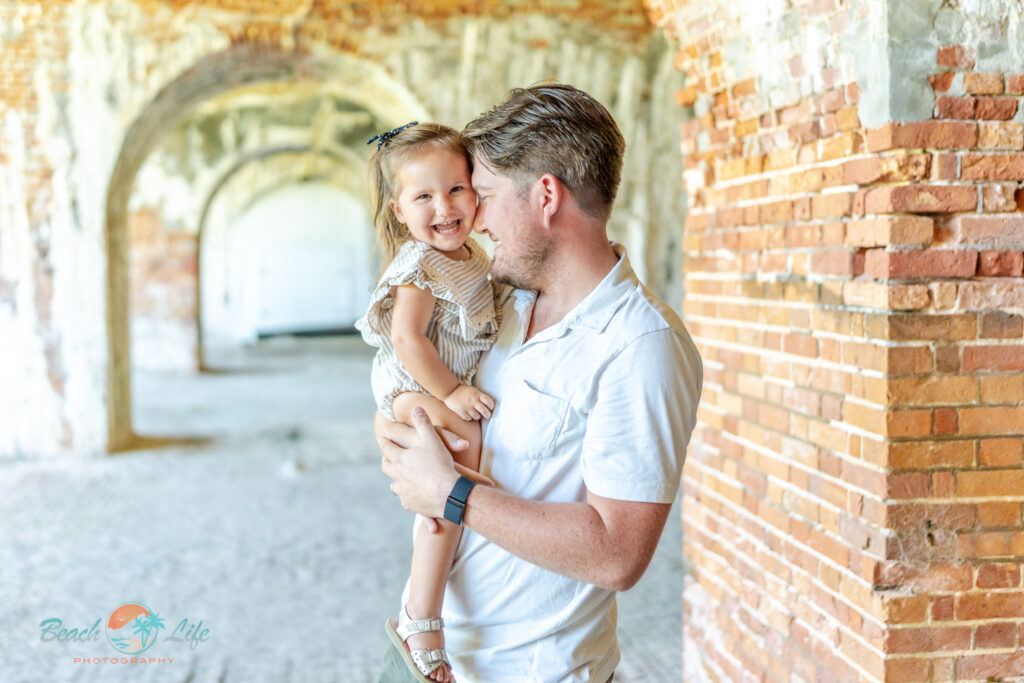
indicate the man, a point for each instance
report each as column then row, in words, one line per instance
column 597, row 384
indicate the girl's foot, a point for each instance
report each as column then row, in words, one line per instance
column 429, row 640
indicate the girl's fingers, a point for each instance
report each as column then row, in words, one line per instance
column 474, row 475
column 487, row 401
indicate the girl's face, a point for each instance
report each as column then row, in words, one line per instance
column 435, row 199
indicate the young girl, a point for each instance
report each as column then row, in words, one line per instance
column 431, row 315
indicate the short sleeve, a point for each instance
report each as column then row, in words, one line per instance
column 644, row 412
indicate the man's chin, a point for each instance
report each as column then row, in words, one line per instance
column 510, row 279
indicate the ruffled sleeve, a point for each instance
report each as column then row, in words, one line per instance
column 418, row 264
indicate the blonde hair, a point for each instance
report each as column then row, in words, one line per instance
column 394, row 151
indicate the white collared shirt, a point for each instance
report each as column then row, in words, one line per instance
column 605, row 401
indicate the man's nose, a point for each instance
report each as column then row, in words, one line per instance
column 478, row 222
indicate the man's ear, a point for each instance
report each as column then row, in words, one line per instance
column 398, row 212
column 550, row 193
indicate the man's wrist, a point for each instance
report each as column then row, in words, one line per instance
column 455, row 505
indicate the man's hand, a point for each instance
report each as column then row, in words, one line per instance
column 395, row 437
column 422, row 470
column 469, row 403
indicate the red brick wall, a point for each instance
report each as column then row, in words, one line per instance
column 852, row 508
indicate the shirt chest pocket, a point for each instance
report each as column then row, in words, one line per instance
column 527, row 422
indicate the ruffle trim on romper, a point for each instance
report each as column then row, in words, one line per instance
column 477, row 318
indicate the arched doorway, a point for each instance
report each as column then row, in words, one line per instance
column 240, row 66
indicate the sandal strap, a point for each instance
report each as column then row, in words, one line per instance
column 429, row 660
column 408, row 626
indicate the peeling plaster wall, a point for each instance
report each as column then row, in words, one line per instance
column 918, row 29
column 765, row 32
column 887, row 46
column 77, row 76
column 894, row 43
column 91, row 80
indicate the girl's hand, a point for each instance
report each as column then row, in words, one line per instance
column 469, row 403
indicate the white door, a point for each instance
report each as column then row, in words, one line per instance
column 297, row 260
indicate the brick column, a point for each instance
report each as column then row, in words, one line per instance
column 852, row 503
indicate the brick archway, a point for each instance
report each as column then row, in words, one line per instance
column 364, row 83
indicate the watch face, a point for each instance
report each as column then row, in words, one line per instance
column 456, row 505
column 453, row 510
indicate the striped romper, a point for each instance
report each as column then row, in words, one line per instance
column 464, row 323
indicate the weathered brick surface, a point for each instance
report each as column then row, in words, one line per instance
column 1001, row 263
column 955, row 57
column 983, row 83
column 992, row 167
column 1008, row 136
column 930, row 263
column 865, row 379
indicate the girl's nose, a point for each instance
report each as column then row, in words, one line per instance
column 443, row 205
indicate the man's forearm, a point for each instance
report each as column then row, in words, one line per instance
column 567, row 538
column 604, row 541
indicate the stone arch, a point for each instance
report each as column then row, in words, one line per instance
column 338, row 157
column 365, row 83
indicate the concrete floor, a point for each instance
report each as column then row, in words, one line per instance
column 257, row 506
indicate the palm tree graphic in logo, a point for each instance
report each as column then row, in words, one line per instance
column 145, row 625
column 133, row 628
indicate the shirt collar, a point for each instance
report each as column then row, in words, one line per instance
column 596, row 310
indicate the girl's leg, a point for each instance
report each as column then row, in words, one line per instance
column 433, row 554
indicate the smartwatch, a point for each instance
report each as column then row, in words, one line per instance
column 455, row 508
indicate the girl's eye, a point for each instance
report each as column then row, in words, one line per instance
column 457, row 188
column 424, row 196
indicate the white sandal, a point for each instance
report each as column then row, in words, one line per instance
column 426, row 661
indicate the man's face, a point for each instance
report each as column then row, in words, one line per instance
column 506, row 215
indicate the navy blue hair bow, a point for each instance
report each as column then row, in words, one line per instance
column 387, row 135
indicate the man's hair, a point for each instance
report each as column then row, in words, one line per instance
column 554, row 129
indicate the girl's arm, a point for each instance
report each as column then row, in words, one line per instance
column 409, row 321
column 410, row 318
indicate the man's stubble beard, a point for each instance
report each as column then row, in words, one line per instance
column 528, row 272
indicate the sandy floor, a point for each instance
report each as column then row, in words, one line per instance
column 256, row 507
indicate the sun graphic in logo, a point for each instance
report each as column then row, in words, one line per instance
column 132, row 628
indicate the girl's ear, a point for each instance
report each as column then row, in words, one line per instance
column 397, row 211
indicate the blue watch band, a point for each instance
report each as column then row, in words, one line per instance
column 455, row 508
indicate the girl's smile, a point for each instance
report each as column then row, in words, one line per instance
column 436, row 200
